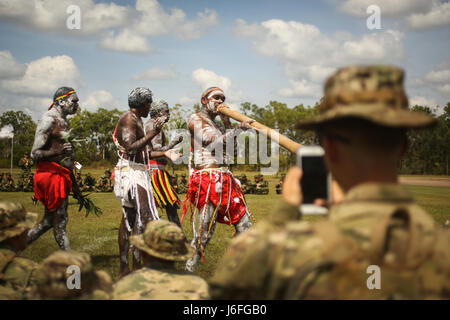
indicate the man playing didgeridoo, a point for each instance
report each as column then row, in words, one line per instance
column 132, row 183
column 213, row 195
column 55, row 158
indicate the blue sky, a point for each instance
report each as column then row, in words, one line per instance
column 256, row 50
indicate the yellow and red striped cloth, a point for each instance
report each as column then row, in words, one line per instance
column 163, row 190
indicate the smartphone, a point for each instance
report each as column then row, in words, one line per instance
column 316, row 180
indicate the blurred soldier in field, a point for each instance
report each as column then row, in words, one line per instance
column 89, row 183
column 279, row 185
column 9, row 185
column 16, row 273
column 174, row 183
column 161, row 245
column 261, row 186
column 25, row 164
column 183, row 184
column 377, row 243
column 244, row 183
column 79, row 180
column 60, row 270
column 104, row 184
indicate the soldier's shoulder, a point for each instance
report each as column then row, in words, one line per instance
column 147, row 283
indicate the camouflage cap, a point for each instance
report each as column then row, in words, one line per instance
column 164, row 240
column 374, row 93
column 53, row 274
column 14, row 219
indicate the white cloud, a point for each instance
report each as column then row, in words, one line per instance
column 125, row 41
column 439, row 16
column 99, row 99
column 387, row 7
column 154, row 20
column 207, row 78
column 9, row 67
column 438, row 76
column 43, row 76
column 119, row 28
column 7, row 132
column 156, row 74
column 309, row 56
column 300, row 89
column 50, row 16
column 188, row 101
column 444, row 89
column 422, row 101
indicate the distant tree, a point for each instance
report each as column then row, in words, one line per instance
column 24, row 130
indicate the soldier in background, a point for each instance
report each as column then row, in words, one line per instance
column 174, row 183
column 52, row 279
column 79, row 180
column 9, row 185
column 279, row 185
column 261, row 186
column 16, row 273
column 162, row 244
column 25, row 164
column 104, row 183
column 183, row 185
column 362, row 126
column 89, row 183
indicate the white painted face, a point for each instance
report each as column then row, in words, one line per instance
column 215, row 99
column 70, row 104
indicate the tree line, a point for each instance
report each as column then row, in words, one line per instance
column 429, row 150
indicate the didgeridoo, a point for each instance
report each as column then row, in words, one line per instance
column 282, row 140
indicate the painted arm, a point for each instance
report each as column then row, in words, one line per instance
column 131, row 145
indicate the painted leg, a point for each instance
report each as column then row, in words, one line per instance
column 172, row 215
column 139, row 226
column 243, row 224
column 59, row 223
column 40, row 228
column 204, row 222
column 124, row 241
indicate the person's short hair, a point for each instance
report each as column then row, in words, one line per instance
column 139, row 97
column 158, row 106
column 364, row 133
column 60, row 92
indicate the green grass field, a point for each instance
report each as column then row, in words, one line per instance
column 98, row 235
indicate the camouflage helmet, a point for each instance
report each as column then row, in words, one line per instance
column 14, row 220
column 52, row 277
column 374, row 93
column 165, row 240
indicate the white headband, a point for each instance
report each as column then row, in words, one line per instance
column 214, row 93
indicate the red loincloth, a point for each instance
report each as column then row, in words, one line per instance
column 231, row 208
column 52, row 184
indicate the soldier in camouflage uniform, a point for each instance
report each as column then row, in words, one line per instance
column 183, row 184
column 9, row 185
column 52, row 279
column 25, row 164
column 104, row 183
column 89, row 183
column 279, row 185
column 162, row 244
column 261, row 186
column 16, row 273
column 362, row 126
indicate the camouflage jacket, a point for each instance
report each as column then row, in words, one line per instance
column 329, row 259
column 152, row 284
column 16, row 275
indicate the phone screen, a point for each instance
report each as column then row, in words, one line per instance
column 314, row 180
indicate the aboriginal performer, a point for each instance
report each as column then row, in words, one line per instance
column 132, row 183
column 55, row 156
column 213, row 195
column 163, row 191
